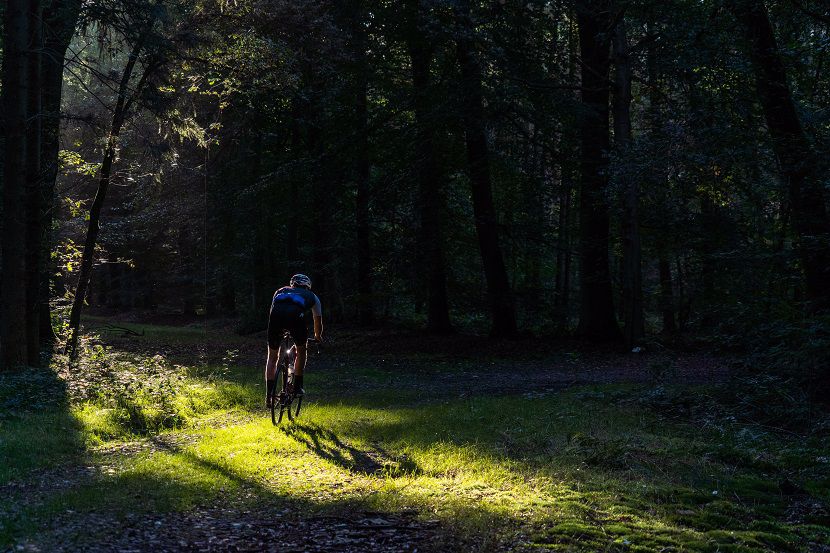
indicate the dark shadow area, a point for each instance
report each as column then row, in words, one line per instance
column 373, row 461
column 165, row 513
column 41, row 443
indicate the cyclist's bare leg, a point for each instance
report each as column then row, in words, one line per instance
column 299, row 365
column 271, row 363
column 271, row 373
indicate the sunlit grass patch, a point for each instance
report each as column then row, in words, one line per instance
column 148, row 410
column 586, row 469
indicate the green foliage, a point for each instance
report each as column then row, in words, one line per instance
column 71, row 162
column 138, row 395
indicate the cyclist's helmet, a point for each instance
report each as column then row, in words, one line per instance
column 300, row 280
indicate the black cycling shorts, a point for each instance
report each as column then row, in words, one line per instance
column 286, row 317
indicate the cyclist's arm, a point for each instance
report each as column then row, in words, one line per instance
column 317, row 312
column 318, row 328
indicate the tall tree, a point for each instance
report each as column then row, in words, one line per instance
column 124, row 100
column 34, row 183
column 800, row 167
column 659, row 182
column 359, row 32
column 430, row 179
column 59, row 20
column 632, row 281
column 597, row 320
column 478, row 163
column 666, row 298
column 15, row 100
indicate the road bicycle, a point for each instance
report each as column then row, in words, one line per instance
column 284, row 401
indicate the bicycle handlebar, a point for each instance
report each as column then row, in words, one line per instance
column 313, row 342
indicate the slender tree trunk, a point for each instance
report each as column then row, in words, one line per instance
column 597, row 320
column 562, row 293
column 227, row 294
column 34, row 185
column 292, row 230
column 533, row 190
column 15, row 97
column 321, row 255
column 429, row 180
column 800, row 167
column 666, row 292
column 478, row 159
column 682, row 301
column 366, row 312
column 562, row 290
column 104, row 176
column 323, row 208
column 293, row 223
column 60, row 19
column 708, row 299
column 533, row 252
column 634, row 321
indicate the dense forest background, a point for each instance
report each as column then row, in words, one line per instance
column 630, row 171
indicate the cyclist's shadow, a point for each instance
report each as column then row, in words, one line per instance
column 329, row 446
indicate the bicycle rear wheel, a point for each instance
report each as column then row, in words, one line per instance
column 274, row 401
column 284, row 398
column 288, row 409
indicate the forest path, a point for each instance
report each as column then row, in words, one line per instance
column 406, row 443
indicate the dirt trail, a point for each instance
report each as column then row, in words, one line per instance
column 230, row 530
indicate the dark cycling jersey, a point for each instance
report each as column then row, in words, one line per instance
column 301, row 297
column 288, row 309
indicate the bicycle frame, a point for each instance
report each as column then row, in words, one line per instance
column 286, row 359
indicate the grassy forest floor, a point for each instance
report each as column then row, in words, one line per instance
column 159, row 441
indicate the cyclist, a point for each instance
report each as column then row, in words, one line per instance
column 288, row 309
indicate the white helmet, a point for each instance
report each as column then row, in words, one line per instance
column 300, row 280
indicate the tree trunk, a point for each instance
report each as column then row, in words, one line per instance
column 104, row 175
column 800, row 167
column 430, row 196
column 34, row 185
column 60, row 19
column 322, row 209
column 292, row 227
column 366, row 313
column 15, row 97
column 666, row 292
column 478, row 158
column 562, row 290
column 632, row 287
column 535, row 223
column 596, row 319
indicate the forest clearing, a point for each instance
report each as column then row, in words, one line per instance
column 415, row 275
column 468, row 447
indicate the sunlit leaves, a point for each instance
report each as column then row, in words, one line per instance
column 71, row 162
